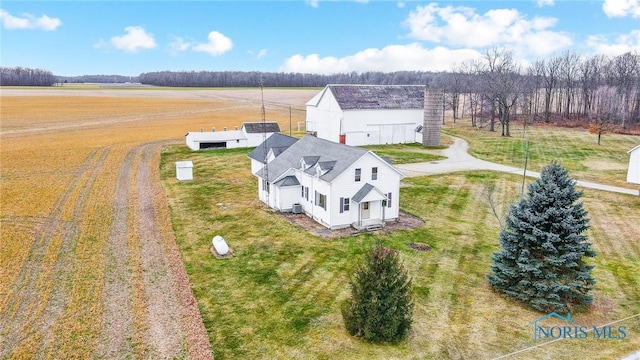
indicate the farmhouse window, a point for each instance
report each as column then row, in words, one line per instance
column 344, row 204
column 374, row 173
column 389, row 200
column 306, row 193
column 265, row 185
column 321, row 200
column 358, row 174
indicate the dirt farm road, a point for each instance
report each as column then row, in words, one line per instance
column 147, row 304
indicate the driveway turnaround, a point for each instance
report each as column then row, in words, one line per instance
column 458, row 159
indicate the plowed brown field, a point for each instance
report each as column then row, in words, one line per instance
column 88, row 260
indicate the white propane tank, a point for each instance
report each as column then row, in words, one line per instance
column 220, row 245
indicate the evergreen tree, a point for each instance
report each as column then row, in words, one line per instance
column 381, row 305
column 543, row 246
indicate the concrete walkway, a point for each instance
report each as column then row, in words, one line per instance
column 458, row 159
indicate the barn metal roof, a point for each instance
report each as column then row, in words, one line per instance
column 368, row 97
column 257, row 127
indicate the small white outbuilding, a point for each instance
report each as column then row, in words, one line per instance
column 633, row 174
column 184, row 170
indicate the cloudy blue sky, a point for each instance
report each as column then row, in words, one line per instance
column 130, row 37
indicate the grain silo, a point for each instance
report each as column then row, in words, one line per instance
column 433, row 115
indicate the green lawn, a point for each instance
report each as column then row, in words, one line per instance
column 576, row 149
column 279, row 296
column 407, row 153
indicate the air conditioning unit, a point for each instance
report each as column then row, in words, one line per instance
column 297, row 209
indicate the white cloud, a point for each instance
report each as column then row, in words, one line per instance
column 401, row 4
column 621, row 8
column 28, row 21
column 313, row 3
column 178, row 45
column 218, row 44
column 543, row 3
column 135, row 38
column 260, row 54
column 411, row 57
column 602, row 44
column 463, row 27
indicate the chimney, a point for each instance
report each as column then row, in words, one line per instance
column 224, row 128
column 213, row 129
column 433, row 113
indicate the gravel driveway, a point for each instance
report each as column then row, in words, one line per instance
column 458, row 159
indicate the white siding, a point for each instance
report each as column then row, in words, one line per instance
column 345, row 186
column 286, row 197
column 325, row 118
column 633, row 174
column 377, row 127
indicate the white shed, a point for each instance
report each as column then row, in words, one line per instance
column 184, row 170
column 251, row 134
column 633, row 174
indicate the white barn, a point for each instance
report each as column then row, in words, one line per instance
column 367, row 114
column 249, row 135
column 633, row 174
column 336, row 185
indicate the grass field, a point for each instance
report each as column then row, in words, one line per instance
column 279, row 296
column 91, row 268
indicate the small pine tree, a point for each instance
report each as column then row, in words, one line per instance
column 381, row 305
column 543, row 246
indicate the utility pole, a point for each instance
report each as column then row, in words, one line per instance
column 265, row 169
column 289, row 120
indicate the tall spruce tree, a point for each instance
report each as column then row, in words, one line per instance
column 543, row 246
column 381, row 305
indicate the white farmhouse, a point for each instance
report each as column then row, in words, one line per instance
column 633, row 174
column 251, row 134
column 336, row 185
column 367, row 114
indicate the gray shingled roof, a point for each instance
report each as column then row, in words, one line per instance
column 257, row 127
column 352, row 97
column 277, row 141
column 330, row 153
column 363, row 192
column 287, row 181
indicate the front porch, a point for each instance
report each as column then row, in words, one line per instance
column 368, row 225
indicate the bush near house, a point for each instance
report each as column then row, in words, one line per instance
column 381, row 304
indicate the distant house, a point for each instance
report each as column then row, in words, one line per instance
column 336, row 185
column 367, row 114
column 250, row 135
column 633, row 174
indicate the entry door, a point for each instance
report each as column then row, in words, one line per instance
column 365, row 210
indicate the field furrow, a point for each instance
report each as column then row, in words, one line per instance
column 26, row 302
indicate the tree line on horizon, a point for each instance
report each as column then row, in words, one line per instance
column 599, row 90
